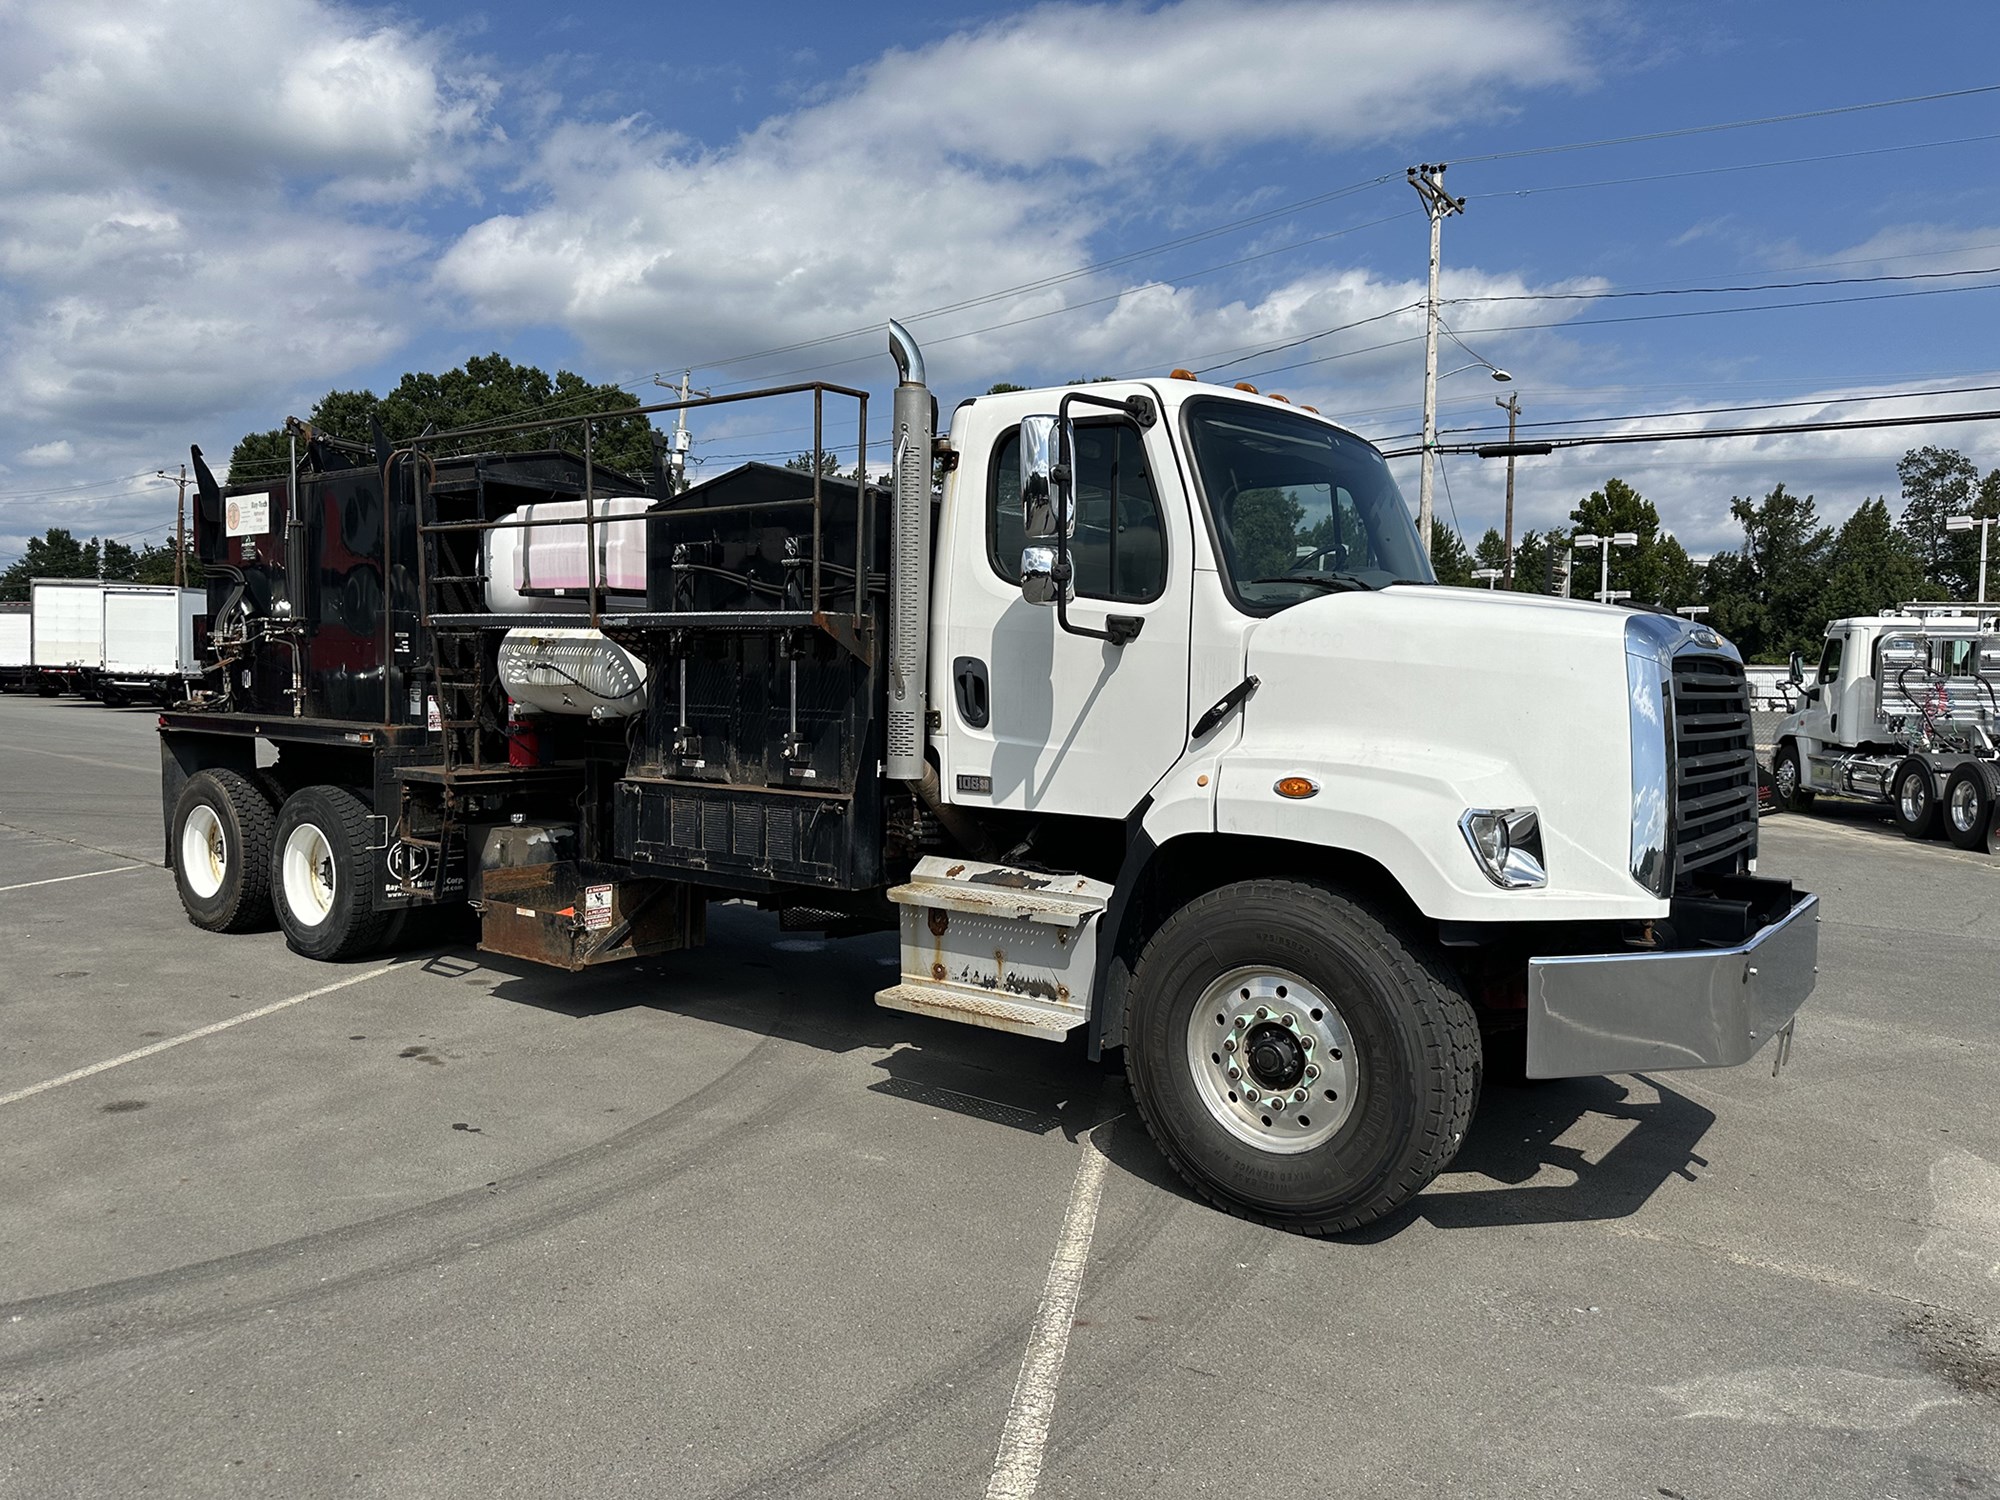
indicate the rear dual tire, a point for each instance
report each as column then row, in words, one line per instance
column 323, row 875
column 222, row 828
column 1913, row 799
column 1969, row 796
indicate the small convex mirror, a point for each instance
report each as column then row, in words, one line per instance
column 1044, row 494
column 1038, row 570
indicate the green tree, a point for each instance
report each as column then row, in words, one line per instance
column 1491, row 551
column 1768, row 598
column 1533, row 555
column 1872, row 566
column 54, row 554
column 1678, row 577
column 829, row 463
column 1939, row 483
column 1264, row 530
column 1606, row 512
column 1449, row 558
column 487, row 389
column 156, row 564
column 1002, row 387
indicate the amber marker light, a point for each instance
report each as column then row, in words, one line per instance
column 1181, row 375
column 1276, row 397
column 1296, row 787
column 1244, row 385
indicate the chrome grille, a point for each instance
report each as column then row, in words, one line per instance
column 1715, row 763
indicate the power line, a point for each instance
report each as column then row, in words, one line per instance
column 1748, row 166
column 1604, row 439
column 1687, row 130
column 1608, row 294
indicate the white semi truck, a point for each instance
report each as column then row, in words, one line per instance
column 1903, row 709
column 1135, row 707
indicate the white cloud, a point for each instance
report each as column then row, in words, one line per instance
column 985, row 160
column 48, row 455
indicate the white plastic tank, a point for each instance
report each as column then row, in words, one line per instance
column 546, row 569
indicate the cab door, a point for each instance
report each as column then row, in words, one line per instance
column 1822, row 707
column 1037, row 718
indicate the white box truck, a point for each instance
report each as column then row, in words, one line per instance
column 149, row 642
column 15, row 652
column 67, row 645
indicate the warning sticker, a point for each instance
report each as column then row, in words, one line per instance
column 596, row 908
column 248, row 515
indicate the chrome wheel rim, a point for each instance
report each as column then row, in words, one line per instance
column 1787, row 777
column 1964, row 807
column 1912, row 795
column 204, row 851
column 309, row 877
column 1272, row 1059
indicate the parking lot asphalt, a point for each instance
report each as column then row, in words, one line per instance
column 715, row 1225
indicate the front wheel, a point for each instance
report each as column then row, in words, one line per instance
column 1787, row 781
column 323, row 873
column 1913, row 799
column 1298, row 1061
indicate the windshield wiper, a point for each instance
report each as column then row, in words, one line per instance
column 1339, row 583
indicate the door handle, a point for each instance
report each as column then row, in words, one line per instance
column 968, row 675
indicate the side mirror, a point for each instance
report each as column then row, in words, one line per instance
column 1798, row 667
column 1045, row 490
column 1038, row 575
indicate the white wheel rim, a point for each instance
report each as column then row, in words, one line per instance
column 309, row 877
column 1283, row 1109
column 204, row 851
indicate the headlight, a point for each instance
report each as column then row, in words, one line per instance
column 1649, row 705
column 1507, row 842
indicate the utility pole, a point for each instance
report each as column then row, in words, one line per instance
column 1513, row 405
column 181, row 529
column 1428, row 180
column 678, row 449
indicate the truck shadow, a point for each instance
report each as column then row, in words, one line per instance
column 819, row 993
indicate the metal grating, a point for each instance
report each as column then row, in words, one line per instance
column 686, row 820
column 715, row 827
column 749, row 840
column 780, row 827
column 1715, row 763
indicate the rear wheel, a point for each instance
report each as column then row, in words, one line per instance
column 323, row 875
column 1913, row 799
column 1297, row 1060
column 1787, row 780
column 1968, row 805
column 222, row 851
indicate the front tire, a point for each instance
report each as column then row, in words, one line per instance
column 1788, row 780
column 323, row 875
column 1913, row 799
column 222, row 851
column 1968, row 805
column 1319, row 996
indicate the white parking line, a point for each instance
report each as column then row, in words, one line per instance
column 1017, row 1468
column 28, row 885
column 192, row 1036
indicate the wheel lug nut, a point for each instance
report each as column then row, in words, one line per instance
column 1229, row 1044
column 1241, row 1023
column 1290, row 1019
column 1300, row 1096
column 1251, row 1095
column 1234, row 1071
column 1277, row 1105
column 1263, row 1013
column 1311, row 1072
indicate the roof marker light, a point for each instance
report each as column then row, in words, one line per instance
column 1178, row 374
column 1276, row 397
column 1244, row 385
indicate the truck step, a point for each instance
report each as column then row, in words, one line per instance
column 998, row 945
column 1019, row 1013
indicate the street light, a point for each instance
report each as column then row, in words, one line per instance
column 1604, row 544
column 1985, row 525
column 1487, row 576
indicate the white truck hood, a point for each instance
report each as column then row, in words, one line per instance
column 1411, row 705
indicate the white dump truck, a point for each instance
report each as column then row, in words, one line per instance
column 1901, row 710
column 1135, row 707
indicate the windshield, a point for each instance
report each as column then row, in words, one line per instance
column 1299, row 508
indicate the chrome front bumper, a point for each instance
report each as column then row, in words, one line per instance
column 1647, row 1012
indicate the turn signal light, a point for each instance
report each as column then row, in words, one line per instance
column 1181, row 375
column 1296, row 787
column 1244, row 385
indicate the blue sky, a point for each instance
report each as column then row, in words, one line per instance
column 211, row 212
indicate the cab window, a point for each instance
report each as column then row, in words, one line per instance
column 1119, row 550
column 1829, row 661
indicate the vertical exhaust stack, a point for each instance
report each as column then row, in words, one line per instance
column 910, row 566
